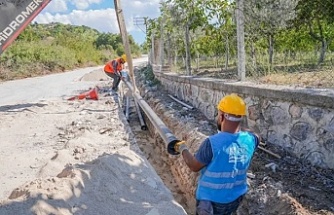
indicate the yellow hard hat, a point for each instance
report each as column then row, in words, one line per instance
column 123, row 57
column 232, row 104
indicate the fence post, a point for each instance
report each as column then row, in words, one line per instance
column 241, row 40
column 162, row 44
column 152, row 48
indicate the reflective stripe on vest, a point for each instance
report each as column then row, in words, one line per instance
column 225, row 178
column 224, row 174
column 222, row 186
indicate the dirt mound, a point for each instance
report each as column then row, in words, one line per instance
column 76, row 157
column 97, row 75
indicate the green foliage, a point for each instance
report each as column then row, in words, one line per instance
column 147, row 74
column 105, row 41
column 309, row 10
column 286, row 34
column 114, row 42
column 120, row 50
column 144, row 47
column 295, row 40
column 318, row 17
column 187, row 12
column 57, row 47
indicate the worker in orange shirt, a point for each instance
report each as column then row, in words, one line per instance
column 113, row 69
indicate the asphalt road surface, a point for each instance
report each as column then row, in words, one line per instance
column 48, row 87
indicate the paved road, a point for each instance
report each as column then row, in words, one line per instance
column 48, row 87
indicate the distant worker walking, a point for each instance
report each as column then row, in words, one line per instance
column 113, row 69
column 223, row 159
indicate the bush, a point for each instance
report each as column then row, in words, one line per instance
column 36, row 52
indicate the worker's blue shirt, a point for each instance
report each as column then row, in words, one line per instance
column 227, row 158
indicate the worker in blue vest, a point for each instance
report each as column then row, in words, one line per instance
column 223, row 159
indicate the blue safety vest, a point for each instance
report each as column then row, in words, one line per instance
column 225, row 178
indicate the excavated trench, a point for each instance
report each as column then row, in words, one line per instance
column 292, row 187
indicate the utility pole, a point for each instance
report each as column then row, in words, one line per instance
column 241, row 40
column 125, row 39
column 140, row 21
column 146, row 28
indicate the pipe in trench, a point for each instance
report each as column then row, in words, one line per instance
column 182, row 103
column 167, row 136
column 127, row 107
column 141, row 119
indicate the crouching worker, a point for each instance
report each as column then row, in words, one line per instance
column 223, row 159
column 113, row 70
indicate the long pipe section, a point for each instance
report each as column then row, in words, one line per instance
column 182, row 103
column 167, row 136
column 141, row 119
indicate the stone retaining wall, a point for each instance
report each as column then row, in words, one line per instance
column 299, row 119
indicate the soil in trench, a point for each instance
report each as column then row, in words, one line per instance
column 277, row 186
column 146, row 143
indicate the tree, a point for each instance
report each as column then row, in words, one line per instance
column 318, row 16
column 107, row 40
column 267, row 17
column 223, row 28
column 190, row 16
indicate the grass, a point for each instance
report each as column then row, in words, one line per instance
column 318, row 79
column 301, row 71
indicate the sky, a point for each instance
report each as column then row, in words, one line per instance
column 100, row 14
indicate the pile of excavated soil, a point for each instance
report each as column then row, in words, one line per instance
column 76, row 157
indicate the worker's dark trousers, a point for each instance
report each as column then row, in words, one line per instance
column 116, row 78
column 212, row 208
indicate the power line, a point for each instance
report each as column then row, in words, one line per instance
column 140, row 22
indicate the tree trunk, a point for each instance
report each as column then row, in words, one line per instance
column 187, row 45
column 227, row 52
column 198, row 56
column 271, row 49
column 294, row 55
column 286, row 56
column 253, row 55
column 320, row 38
column 175, row 57
column 316, row 51
column 169, row 50
column 322, row 51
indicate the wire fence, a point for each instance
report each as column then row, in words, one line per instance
column 287, row 42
